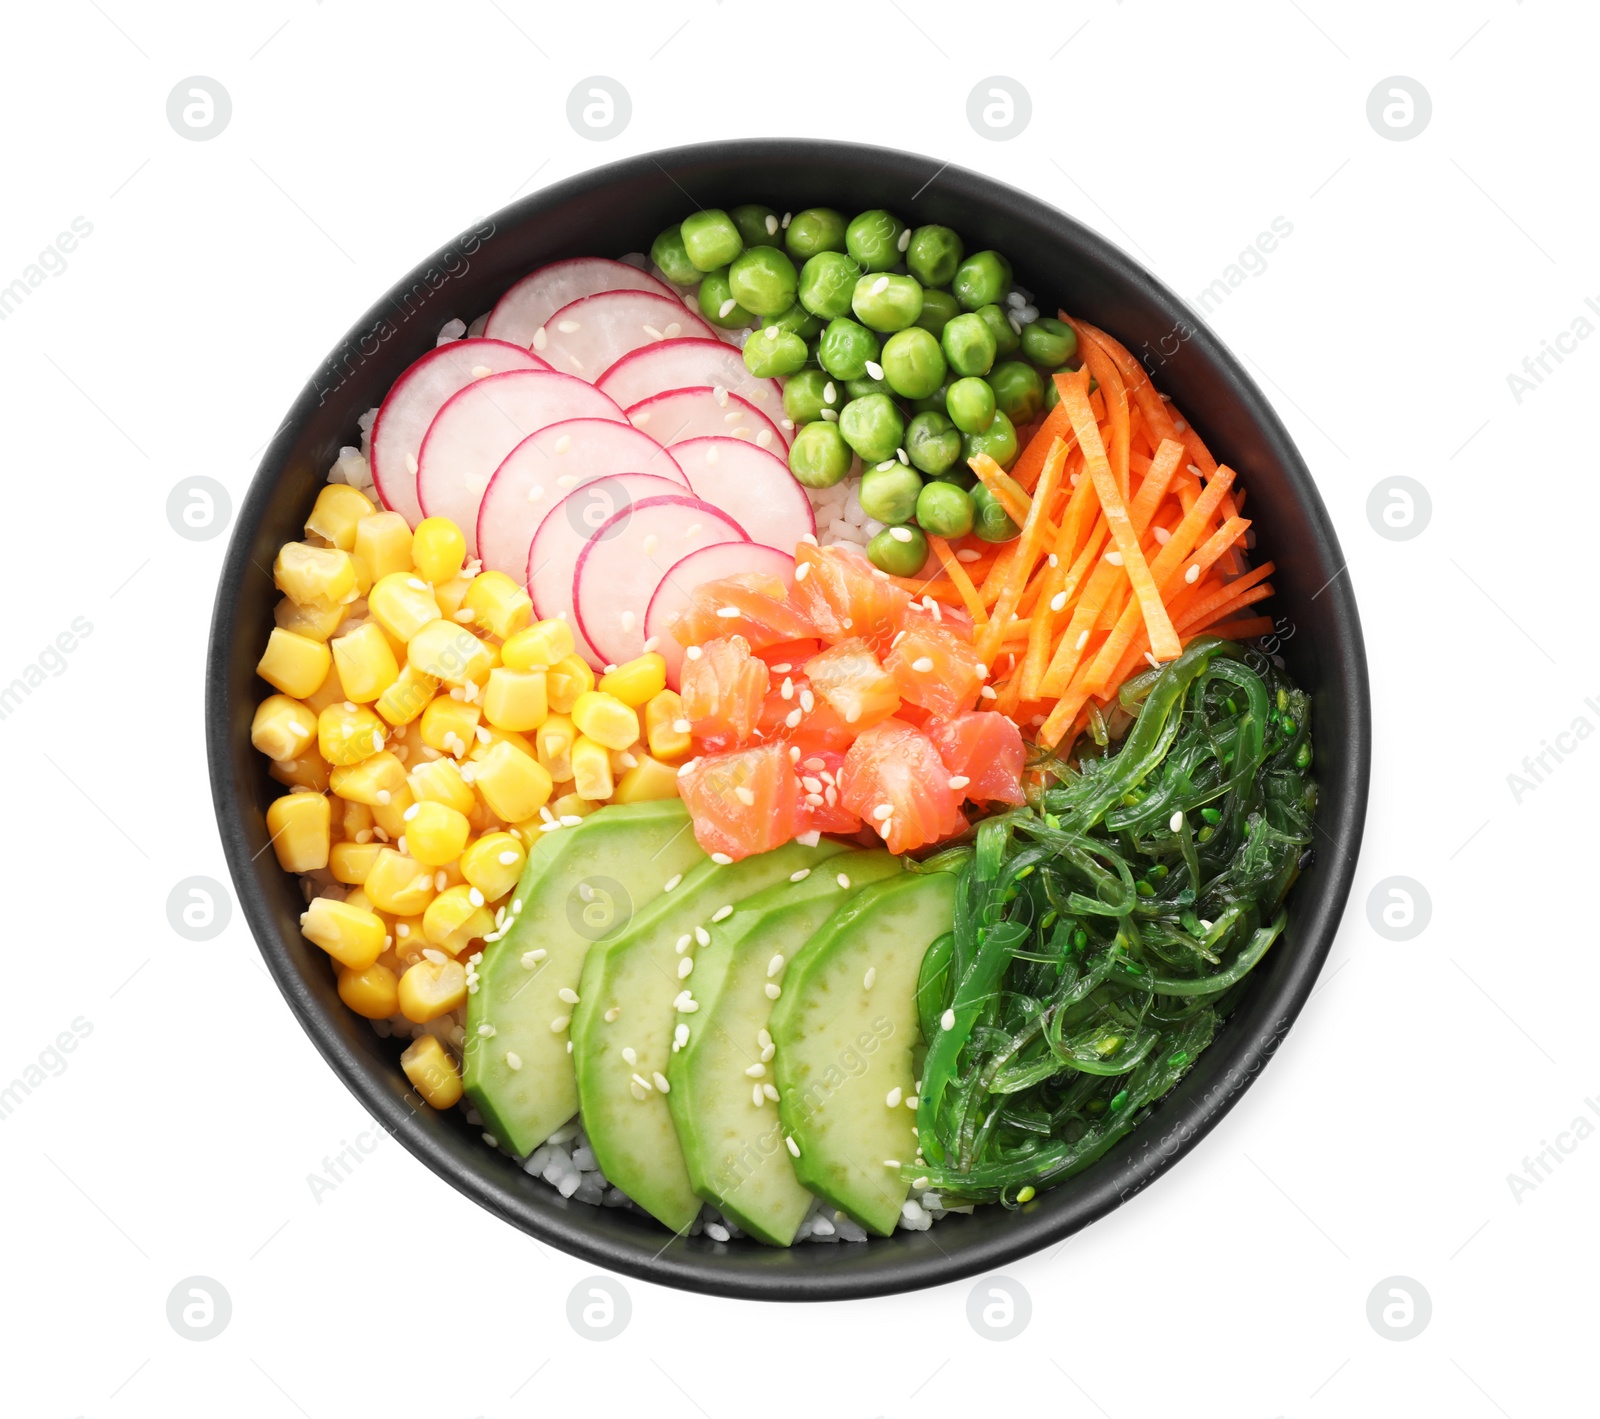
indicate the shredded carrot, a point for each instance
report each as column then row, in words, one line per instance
column 957, row 573
column 1247, row 629
column 1104, row 369
column 1029, row 545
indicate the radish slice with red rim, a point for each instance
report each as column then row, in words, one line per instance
column 476, row 428
column 672, row 594
column 628, row 557
column 752, row 486
column 526, row 306
column 541, row 470
column 677, row 364
column 589, row 336
column 413, row 400
column 698, row 412
column 559, row 540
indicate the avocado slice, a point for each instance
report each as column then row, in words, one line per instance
column 581, row 885
column 730, row 1132
column 622, row 1030
column 845, row 1040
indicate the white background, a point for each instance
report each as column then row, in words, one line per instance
column 179, row 1138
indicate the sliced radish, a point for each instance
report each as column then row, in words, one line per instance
column 476, row 428
column 696, row 413
column 628, row 557
column 412, row 401
column 589, row 336
column 519, row 313
column 544, row 468
column 752, row 486
column 677, row 364
column 558, row 542
column 708, row 564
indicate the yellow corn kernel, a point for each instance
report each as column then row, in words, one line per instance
column 438, row 549
column 591, row 770
column 451, row 595
column 308, row 770
column 363, row 575
column 404, row 700
column 367, row 666
column 408, row 940
column 352, row 863
column 375, row 780
column 320, row 576
column 358, row 898
column 352, row 822
column 440, row 781
column 402, row 603
column 390, row 816
column 635, row 681
column 337, row 510
column 453, row 919
column 514, row 699
column 450, row 726
column 399, row 884
column 493, row 864
column 553, row 744
column 666, row 730
column 295, row 664
column 283, row 728
column 568, row 678
column 430, row 989
column 435, row 834
column 501, row 606
column 373, row 992
column 328, row 692
column 450, row 652
column 347, row 736
column 605, row 719
column 569, row 805
column 352, row 935
column 301, row 828
column 383, row 542
column 317, row 622
column 647, row 779
column 487, row 736
column 539, row 646
column 432, row 1072
column 513, row 784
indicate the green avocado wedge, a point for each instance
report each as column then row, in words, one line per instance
column 845, row 1031
column 726, row 1120
column 581, row 886
column 622, row 1029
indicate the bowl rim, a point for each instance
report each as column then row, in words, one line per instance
column 1147, row 1153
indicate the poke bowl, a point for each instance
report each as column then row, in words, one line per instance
column 771, row 754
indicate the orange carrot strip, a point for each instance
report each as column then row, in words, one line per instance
column 1030, row 462
column 959, row 579
column 1007, row 493
column 1104, row 368
column 1065, row 711
column 1029, row 548
column 1228, row 597
column 1247, row 629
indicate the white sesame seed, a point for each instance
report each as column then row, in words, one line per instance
column 801, row 875
column 475, row 897
column 891, row 1162
column 905, row 240
column 722, row 913
column 1193, row 574
column 874, row 370
column 774, row 966
column 893, row 1097
column 922, row 664
column 630, row 1055
column 726, row 308
column 903, row 456
column 756, row 1096
column 959, row 781
column 612, row 1013
column 567, row 994
column 513, row 1059
column 702, row 936
column 770, row 1091
column 792, row 1146
column 802, row 571
column 1058, row 602
column 966, row 554
column 437, row 957
column 792, row 719
column 638, row 1090
column 1175, row 823
column 684, row 967
column 1083, row 640
column 530, row 959
column 661, row 1081
column 878, row 288
column 693, row 653
column 648, row 546
column 672, row 882
column 441, row 880
column 680, row 1035
column 756, row 1071
column 843, row 881
column 560, row 1023
column 869, row 978
column 728, row 613
column 900, row 534
column 882, row 811
column 808, row 701
column 947, row 1021
column 773, row 990
column 411, row 812
column 651, row 642
column 745, row 796
column 1154, row 663
column 642, row 1082
column 1115, row 558
column 571, row 820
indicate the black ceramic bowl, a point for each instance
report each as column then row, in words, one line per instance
column 620, row 208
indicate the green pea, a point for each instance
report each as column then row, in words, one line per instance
column 873, row 238
column 806, row 394
column 934, row 403
column 758, row 225
column 1005, row 338
column 913, row 363
column 982, row 279
column 1049, row 343
column 770, row 352
column 718, row 303
column 939, row 308
column 933, row 255
column 763, row 280
column 960, row 476
column 970, row 404
column 819, row 457
column 999, row 441
column 710, row 238
column 873, row 427
column 969, row 345
column 827, row 281
column 814, row 230
column 888, row 493
column 990, row 521
column 900, row 551
column 845, row 349
column 1052, row 395
column 860, row 388
column 933, row 443
column 885, row 302
column 945, row 510
column 667, row 251
column 798, row 319
column 1018, row 390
